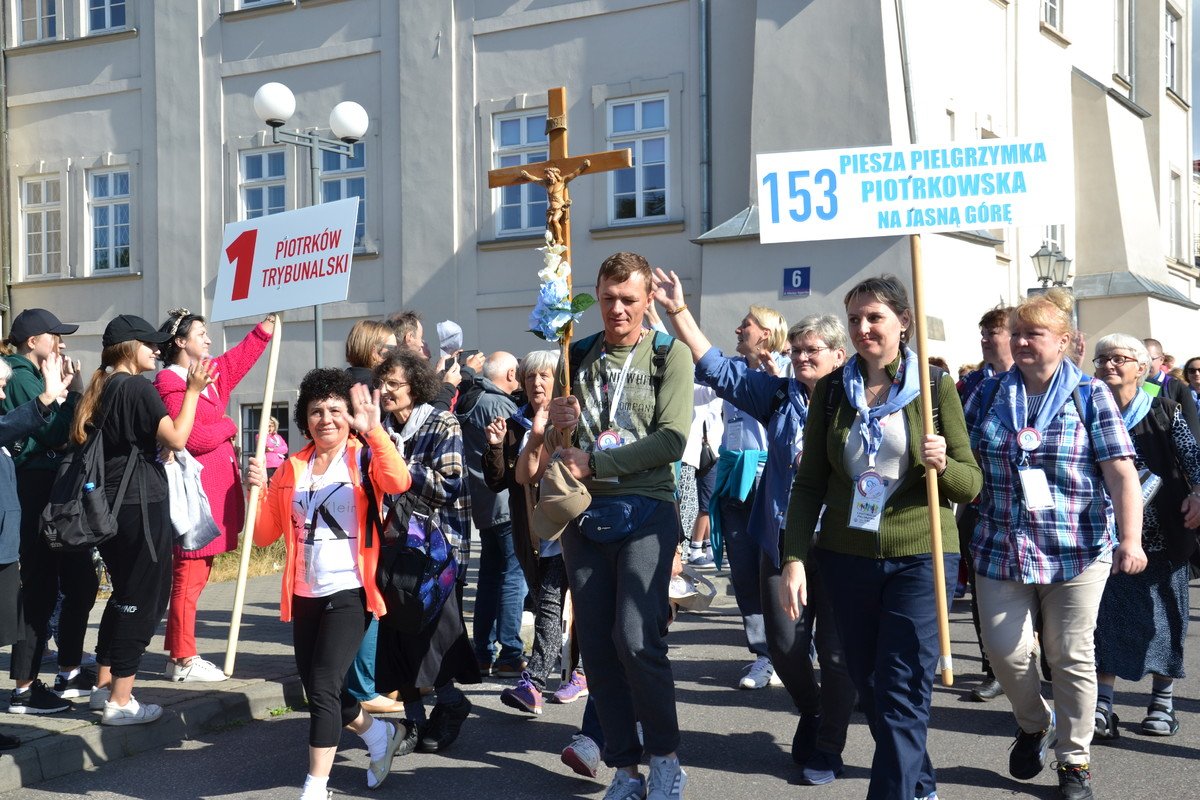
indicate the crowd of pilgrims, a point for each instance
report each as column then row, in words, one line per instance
column 798, row 464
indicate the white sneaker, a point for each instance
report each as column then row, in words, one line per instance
column 623, row 787
column 667, row 779
column 582, row 755
column 99, row 697
column 758, row 675
column 134, row 713
column 197, row 671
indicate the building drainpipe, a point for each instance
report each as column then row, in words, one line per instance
column 705, row 120
column 904, row 71
column 5, row 217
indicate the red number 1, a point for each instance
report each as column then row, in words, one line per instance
column 241, row 253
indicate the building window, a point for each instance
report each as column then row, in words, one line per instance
column 1052, row 13
column 520, row 139
column 1124, row 40
column 39, row 20
column 639, row 192
column 346, row 176
column 110, row 204
column 1175, row 222
column 1171, row 50
column 264, row 183
column 106, row 15
column 41, row 220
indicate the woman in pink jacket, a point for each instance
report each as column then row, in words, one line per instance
column 211, row 442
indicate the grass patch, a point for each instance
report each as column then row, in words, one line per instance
column 263, row 561
column 279, row 712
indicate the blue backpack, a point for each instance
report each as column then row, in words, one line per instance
column 418, row 567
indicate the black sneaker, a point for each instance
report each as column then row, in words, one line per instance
column 37, row 699
column 1028, row 756
column 990, row 689
column 1106, row 726
column 1075, row 782
column 79, row 686
column 444, row 724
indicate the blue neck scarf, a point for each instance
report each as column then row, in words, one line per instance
column 1012, row 394
column 905, row 386
column 1137, row 409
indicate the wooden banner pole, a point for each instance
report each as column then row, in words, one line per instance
column 945, row 661
column 239, row 595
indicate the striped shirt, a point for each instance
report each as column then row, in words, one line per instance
column 1012, row 543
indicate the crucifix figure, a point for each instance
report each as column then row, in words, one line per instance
column 554, row 174
column 558, row 201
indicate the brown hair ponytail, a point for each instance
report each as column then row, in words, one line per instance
column 85, row 412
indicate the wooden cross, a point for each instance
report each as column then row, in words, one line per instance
column 555, row 174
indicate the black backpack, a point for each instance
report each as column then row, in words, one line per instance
column 79, row 516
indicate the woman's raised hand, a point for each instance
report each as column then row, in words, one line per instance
column 201, row 374
column 365, row 405
column 540, row 418
column 495, row 431
column 53, row 378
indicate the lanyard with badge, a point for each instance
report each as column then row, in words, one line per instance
column 1035, row 487
column 870, row 487
column 609, row 396
column 318, row 506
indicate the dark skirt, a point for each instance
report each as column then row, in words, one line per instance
column 12, row 620
column 438, row 655
column 1143, row 621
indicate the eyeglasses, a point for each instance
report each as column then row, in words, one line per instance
column 811, row 352
column 392, row 386
column 1192, row 369
column 1116, row 361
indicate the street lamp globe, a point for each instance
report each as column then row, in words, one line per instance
column 1062, row 270
column 348, row 121
column 1043, row 260
column 274, row 104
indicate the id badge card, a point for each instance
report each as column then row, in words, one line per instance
column 866, row 508
column 607, row 440
column 1035, row 489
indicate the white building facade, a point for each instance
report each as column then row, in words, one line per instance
column 131, row 141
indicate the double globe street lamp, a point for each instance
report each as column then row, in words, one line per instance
column 1051, row 265
column 275, row 104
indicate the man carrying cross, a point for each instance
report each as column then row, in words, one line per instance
column 629, row 414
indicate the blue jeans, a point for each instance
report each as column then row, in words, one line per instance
column 499, row 597
column 742, row 549
column 590, row 726
column 360, row 679
column 887, row 620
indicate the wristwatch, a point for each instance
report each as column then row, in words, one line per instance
column 592, row 463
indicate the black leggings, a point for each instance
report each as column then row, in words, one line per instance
column 326, row 633
column 43, row 572
column 141, row 586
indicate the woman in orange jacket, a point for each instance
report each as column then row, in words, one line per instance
column 317, row 501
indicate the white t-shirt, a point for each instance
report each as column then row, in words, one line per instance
column 325, row 523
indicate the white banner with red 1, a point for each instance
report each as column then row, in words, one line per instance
column 290, row 260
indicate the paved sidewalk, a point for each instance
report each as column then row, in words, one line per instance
column 264, row 680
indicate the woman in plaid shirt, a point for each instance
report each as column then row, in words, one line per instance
column 441, row 654
column 1059, row 484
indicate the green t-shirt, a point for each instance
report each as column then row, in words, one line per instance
column 653, row 417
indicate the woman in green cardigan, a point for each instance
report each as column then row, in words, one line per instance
column 864, row 465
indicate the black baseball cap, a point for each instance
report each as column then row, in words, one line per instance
column 35, row 322
column 130, row 328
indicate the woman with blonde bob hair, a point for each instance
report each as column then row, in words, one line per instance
column 129, row 413
column 1054, row 449
column 1143, row 618
column 367, row 345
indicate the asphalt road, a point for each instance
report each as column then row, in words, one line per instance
column 735, row 745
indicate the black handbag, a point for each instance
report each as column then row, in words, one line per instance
column 708, row 459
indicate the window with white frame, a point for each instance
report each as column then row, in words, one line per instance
column 1175, row 222
column 106, row 15
column 41, row 224
column 1055, row 237
column 110, row 202
column 1171, row 51
column 520, row 139
column 1123, row 40
column 346, row 176
column 639, row 192
column 39, row 20
column 1052, row 13
column 264, row 183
